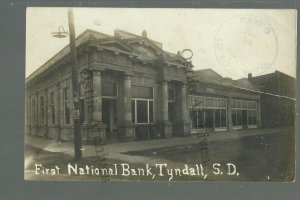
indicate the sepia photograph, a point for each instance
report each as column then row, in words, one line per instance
column 160, row 94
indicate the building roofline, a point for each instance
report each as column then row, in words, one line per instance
column 60, row 54
column 273, row 73
column 230, row 86
column 80, row 40
column 159, row 44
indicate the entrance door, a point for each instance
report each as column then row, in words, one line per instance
column 197, row 117
column 209, row 118
column 108, row 116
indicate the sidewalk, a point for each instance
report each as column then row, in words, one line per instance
column 115, row 150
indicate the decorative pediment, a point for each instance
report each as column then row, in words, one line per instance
column 176, row 61
column 139, row 43
column 115, row 46
column 145, row 53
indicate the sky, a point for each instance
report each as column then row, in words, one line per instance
column 232, row 42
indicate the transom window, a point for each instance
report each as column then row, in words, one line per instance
column 142, row 92
column 109, row 89
column 241, row 104
column 207, row 102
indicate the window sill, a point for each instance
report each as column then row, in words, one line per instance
column 221, row 129
column 237, row 128
column 252, row 126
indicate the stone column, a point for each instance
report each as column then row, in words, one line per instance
column 166, row 125
column 97, row 127
column 183, row 124
column 229, row 113
column 97, row 100
column 127, row 98
column 165, row 114
column 126, row 129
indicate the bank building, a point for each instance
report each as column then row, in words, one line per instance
column 131, row 89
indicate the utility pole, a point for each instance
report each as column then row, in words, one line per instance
column 75, row 86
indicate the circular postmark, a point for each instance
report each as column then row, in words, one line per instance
column 246, row 44
column 187, row 54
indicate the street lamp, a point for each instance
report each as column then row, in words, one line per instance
column 61, row 33
column 75, row 84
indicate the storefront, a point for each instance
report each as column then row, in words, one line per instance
column 244, row 114
column 208, row 114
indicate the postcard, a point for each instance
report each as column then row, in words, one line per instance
column 160, row 94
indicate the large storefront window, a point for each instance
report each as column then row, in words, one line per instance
column 142, row 105
column 252, row 117
column 244, row 114
column 197, row 117
column 236, row 117
column 208, row 112
column 220, row 118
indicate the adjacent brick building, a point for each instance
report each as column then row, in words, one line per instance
column 220, row 104
column 278, row 103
